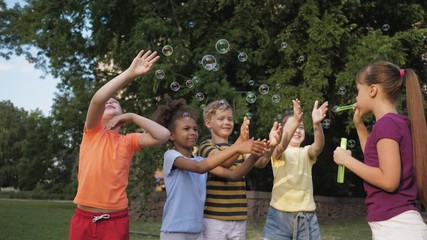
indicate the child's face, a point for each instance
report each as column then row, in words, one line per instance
column 363, row 97
column 221, row 123
column 185, row 134
column 298, row 136
column 112, row 108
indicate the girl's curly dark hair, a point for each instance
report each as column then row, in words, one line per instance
column 167, row 114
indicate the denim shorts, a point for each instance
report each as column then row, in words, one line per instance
column 290, row 226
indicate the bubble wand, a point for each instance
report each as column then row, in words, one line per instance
column 341, row 168
column 346, row 107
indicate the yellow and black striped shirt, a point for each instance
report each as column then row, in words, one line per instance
column 225, row 199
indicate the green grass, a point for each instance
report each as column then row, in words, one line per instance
column 25, row 220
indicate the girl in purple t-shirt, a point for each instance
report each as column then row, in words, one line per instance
column 394, row 167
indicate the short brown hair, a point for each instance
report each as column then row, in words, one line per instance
column 214, row 106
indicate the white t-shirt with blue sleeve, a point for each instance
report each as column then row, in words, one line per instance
column 186, row 194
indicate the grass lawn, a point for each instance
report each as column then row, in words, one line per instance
column 45, row 220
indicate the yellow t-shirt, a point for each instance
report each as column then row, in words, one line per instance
column 104, row 162
column 293, row 184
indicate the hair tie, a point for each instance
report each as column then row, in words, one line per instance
column 402, row 73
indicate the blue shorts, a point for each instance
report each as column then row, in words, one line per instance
column 290, row 225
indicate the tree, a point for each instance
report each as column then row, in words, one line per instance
column 306, row 49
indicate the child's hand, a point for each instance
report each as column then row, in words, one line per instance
column 357, row 117
column 143, row 62
column 275, row 134
column 244, row 129
column 340, row 155
column 296, row 105
column 118, row 120
column 257, row 147
column 318, row 114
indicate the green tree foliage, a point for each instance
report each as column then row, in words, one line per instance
column 308, row 49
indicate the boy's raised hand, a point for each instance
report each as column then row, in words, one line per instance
column 244, row 129
column 319, row 113
column 275, row 134
column 143, row 62
column 296, row 105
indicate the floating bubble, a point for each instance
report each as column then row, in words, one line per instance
column 167, row 50
column 160, row 74
column 191, row 24
column 248, row 115
column 203, row 106
column 189, row 83
column 278, row 86
column 284, row 44
column 334, row 109
column 216, row 67
column 208, row 62
column 251, row 82
column 223, row 103
column 196, row 79
column 186, row 115
column 242, row 57
column 175, row 86
column 222, row 46
column 301, row 59
column 200, row 96
column 342, row 91
column 104, row 20
column 250, row 97
column 263, row 89
column 326, row 123
column 279, row 117
column 275, row 98
column 385, row 27
column 351, row 143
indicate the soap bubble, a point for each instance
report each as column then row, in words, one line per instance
column 326, row 123
column 251, row 82
column 191, row 24
column 275, row 98
column 242, row 57
column 189, row 83
column 175, row 86
column 167, row 50
column 208, row 62
column 250, row 97
column 200, row 96
column 248, row 115
column 351, row 143
column 263, row 89
column 160, row 74
column 222, row 46
column 342, row 91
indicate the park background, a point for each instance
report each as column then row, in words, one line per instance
column 258, row 55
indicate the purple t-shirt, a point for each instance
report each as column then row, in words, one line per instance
column 382, row 205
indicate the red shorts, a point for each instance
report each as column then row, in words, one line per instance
column 96, row 226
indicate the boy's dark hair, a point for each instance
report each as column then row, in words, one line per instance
column 168, row 113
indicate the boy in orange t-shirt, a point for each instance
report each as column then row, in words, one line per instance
column 105, row 155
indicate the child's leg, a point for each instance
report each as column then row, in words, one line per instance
column 279, row 225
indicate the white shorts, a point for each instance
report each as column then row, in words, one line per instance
column 408, row 225
column 224, row 230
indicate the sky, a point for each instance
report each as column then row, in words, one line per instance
column 23, row 85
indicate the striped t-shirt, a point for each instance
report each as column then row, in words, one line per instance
column 225, row 199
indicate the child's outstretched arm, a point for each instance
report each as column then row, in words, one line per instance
column 318, row 114
column 256, row 147
column 362, row 132
column 154, row 135
column 289, row 129
column 141, row 64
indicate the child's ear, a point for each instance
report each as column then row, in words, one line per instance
column 171, row 138
column 373, row 90
column 208, row 123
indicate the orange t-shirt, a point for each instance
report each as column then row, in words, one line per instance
column 104, row 163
